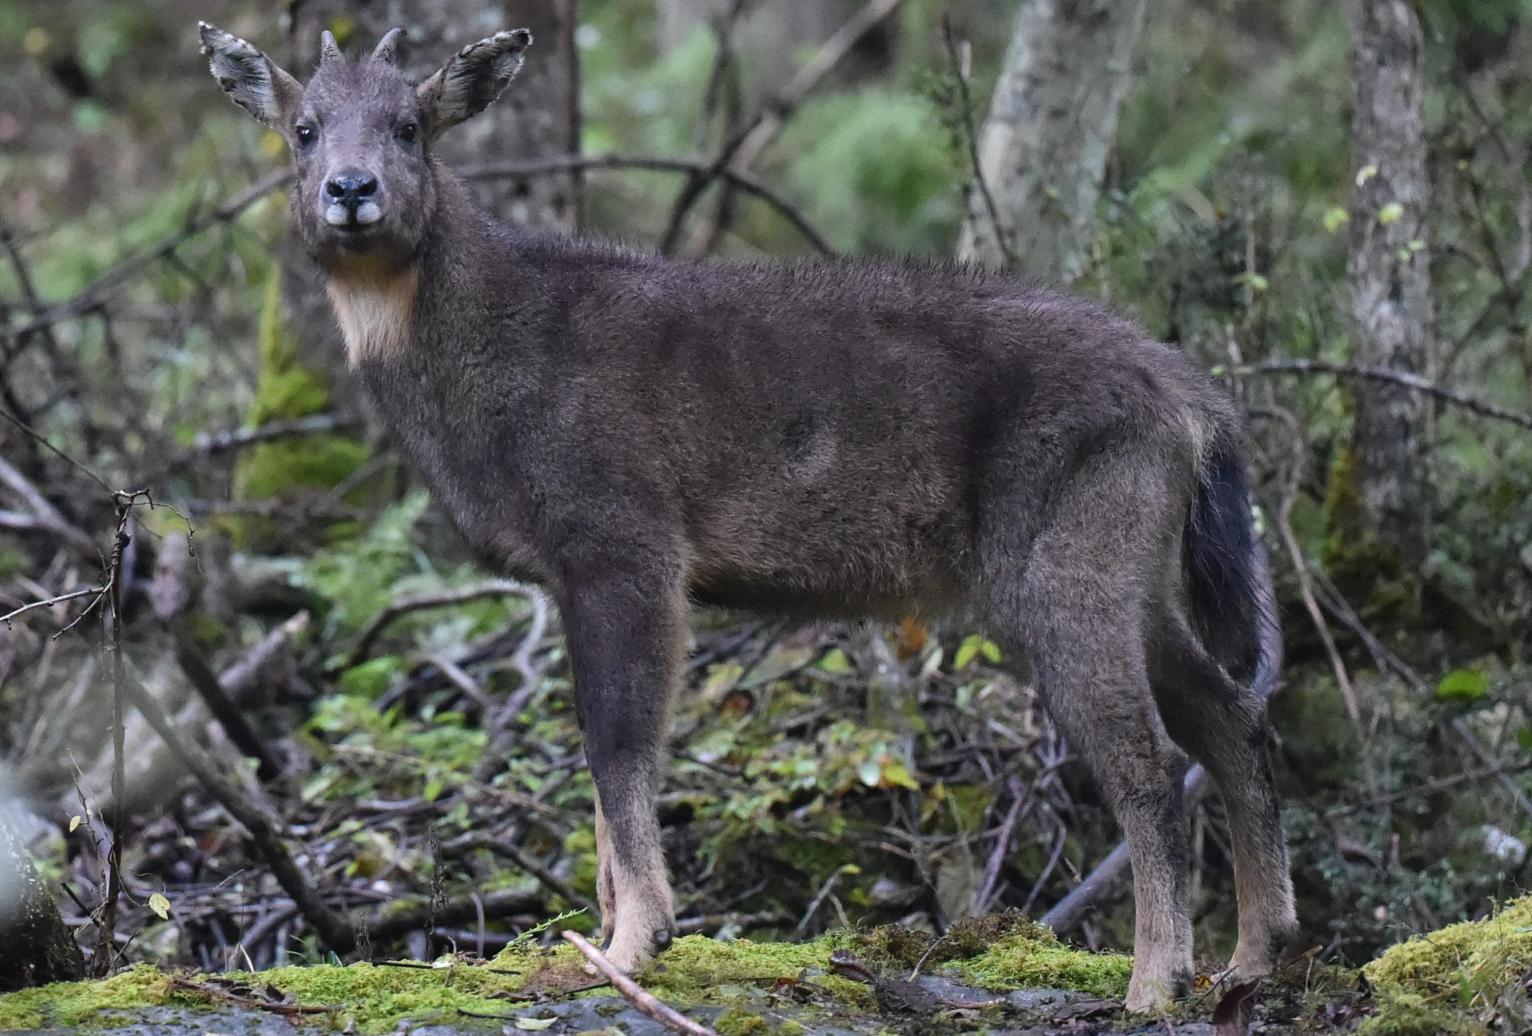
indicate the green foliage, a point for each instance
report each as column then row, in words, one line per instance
column 360, row 576
column 876, row 173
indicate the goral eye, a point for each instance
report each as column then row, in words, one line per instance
column 407, row 132
column 306, row 134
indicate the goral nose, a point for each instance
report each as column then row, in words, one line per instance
column 350, row 187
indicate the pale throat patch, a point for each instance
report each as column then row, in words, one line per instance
column 376, row 313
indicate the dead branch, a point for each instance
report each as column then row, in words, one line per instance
column 971, row 143
column 1068, row 912
column 1414, row 382
column 768, row 121
column 47, row 516
column 744, row 181
column 94, row 294
column 334, row 930
column 102, row 961
column 238, row 438
column 224, row 709
column 1302, row 569
column 644, row 1001
column 420, row 602
column 505, row 849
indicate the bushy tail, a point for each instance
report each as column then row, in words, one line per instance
column 1232, row 605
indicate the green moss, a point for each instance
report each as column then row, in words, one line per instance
column 379, row 996
column 1445, row 981
column 740, row 1023
column 695, row 966
column 1031, row 956
column 70, row 1005
column 373, row 997
column 1010, row 953
column 1365, row 566
column 276, row 469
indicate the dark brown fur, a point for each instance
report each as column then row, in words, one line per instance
column 824, row 438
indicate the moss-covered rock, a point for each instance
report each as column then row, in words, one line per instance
column 1465, row 978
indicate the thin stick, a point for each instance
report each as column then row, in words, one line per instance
column 50, row 602
column 1410, row 381
column 1019, row 798
column 419, row 602
column 106, row 933
column 971, row 144
column 755, row 134
column 646, row 1002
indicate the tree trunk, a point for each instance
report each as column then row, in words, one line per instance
column 1044, row 146
column 35, row 945
column 1390, row 278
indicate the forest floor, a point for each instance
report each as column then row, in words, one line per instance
column 996, row 974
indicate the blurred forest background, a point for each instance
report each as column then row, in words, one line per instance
column 372, row 747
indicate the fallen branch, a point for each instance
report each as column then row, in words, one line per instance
column 647, row 1003
column 47, row 516
column 334, row 930
column 1068, row 912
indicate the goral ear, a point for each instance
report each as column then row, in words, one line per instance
column 471, row 81
column 250, row 78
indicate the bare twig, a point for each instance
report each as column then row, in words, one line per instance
column 94, row 294
column 1303, row 572
column 1414, row 382
column 48, row 517
column 971, row 144
column 749, row 140
column 646, row 1002
column 221, row 442
column 334, row 930
column 1019, row 798
column 104, row 958
column 743, row 180
column 89, row 591
column 440, row 599
column 505, row 849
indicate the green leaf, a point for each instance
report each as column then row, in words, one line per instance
column 535, row 1024
column 160, row 905
column 1390, row 213
column 835, row 661
column 991, row 651
column 1463, row 685
column 1334, row 218
column 966, row 652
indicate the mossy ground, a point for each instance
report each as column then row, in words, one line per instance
column 1000, row 953
column 1465, row 978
